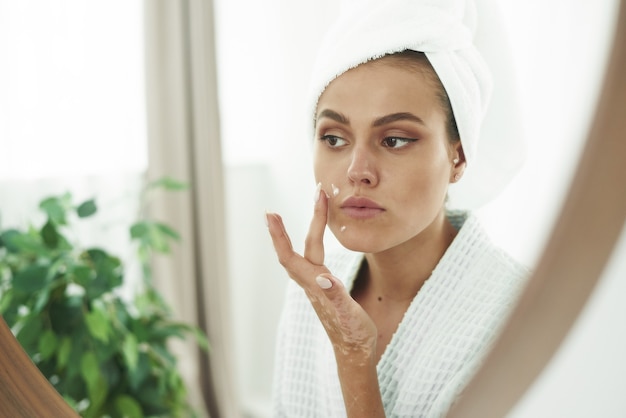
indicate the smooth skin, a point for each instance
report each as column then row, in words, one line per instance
column 380, row 135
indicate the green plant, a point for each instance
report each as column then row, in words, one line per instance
column 106, row 356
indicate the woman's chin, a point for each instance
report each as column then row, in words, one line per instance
column 357, row 241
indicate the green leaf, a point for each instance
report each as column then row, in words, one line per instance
column 82, row 274
column 47, row 344
column 140, row 329
column 137, row 376
column 7, row 240
column 198, row 334
column 19, row 242
column 29, row 334
column 5, row 300
column 130, row 349
column 168, row 183
column 86, row 208
column 153, row 400
column 111, row 369
column 10, row 312
column 77, row 351
column 5, row 269
column 50, row 235
column 42, row 299
column 108, row 273
column 74, row 387
column 98, row 393
column 56, row 208
column 31, row 279
column 139, row 230
column 166, row 230
column 63, row 355
column 127, row 407
column 154, row 235
column 98, row 325
column 89, row 368
column 96, row 255
column 66, row 315
column 164, row 356
column 96, row 384
column 161, row 332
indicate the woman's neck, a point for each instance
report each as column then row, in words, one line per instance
column 398, row 273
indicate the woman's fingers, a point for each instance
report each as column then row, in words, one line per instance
column 346, row 323
column 314, row 243
column 298, row 268
column 280, row 238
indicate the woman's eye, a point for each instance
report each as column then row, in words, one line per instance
column 395, row 142
column 333, row 141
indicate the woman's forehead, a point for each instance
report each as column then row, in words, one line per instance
column 380, row 83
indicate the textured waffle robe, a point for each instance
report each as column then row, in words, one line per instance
column 436, row 348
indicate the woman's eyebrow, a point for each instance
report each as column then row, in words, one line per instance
column 331, row 114
column 396, row 117
column 383, row 120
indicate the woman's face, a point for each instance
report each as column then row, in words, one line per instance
column 382, row 154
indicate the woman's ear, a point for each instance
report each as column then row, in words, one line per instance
column 458, row 163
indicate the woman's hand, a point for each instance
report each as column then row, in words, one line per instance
column 350, row 329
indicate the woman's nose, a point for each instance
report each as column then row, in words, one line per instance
column 362, row 169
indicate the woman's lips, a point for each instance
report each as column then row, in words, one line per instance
column 361, row 208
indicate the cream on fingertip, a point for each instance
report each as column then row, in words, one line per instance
column 268, row 216
column 323, row 282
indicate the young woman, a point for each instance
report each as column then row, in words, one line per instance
column 396, row 324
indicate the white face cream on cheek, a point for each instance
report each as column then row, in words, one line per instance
column 343, row 228
column 335, row 190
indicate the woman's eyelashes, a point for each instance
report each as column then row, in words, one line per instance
column 333, row 141
column 395, row 142
column 391, row 142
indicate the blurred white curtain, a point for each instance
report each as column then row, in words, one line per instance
column 184, row 143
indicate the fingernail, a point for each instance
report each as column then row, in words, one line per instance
column 266, row 219
column 323, row 282
column 316, row 196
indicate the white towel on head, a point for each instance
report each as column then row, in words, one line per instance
column 444, row 31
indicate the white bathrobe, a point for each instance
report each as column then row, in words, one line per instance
column 438, row 345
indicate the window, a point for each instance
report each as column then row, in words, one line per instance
column 71, row 77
